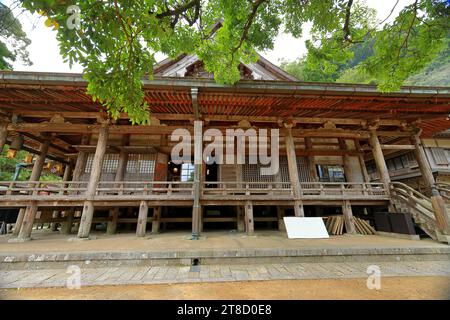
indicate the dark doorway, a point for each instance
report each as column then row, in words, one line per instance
column 211, row 175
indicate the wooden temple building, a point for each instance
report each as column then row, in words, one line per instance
column 334, row 142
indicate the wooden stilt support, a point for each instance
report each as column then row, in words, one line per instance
column 280, row 214
column 348, row 217
column 200, row 222
column 298, row 209
column 249, row 223
column 19, row 221
column 240, row 219
column 66, row 226
column 142, row 220
column 30, row 211
column 88, row 208
column 156, row 219
column 111, row 227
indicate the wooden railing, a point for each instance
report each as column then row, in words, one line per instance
column 307, row 189
column 226, row 190
column 444, row 190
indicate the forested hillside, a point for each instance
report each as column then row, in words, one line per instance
column 437, row 73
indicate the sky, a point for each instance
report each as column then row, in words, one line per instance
column 44, row 51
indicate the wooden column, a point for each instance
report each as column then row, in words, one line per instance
column 362, row 163
column 120, row 174
column 142, row 220
column 249, row 223
column 346, row 160
column 198, row 160
column 30, row 211
column 311, row 160
column 66, row 177
column 293, row 171
column 240, row 219
column 96, row 171
column 3, row 135
column 379, row 161
column 439, row 206
column 156, row 219
column 348, row 217
column 77, row 173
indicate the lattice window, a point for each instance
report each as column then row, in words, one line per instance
column 147, row 163
column 304, row 170
column 440, row 156
column 89, row 160
column 252, row 173
column 187, row 172
column 141, row 163
column 110, row 163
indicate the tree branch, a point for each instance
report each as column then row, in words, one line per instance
column 346, row 28
column 248, row 23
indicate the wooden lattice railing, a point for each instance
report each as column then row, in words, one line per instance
column 309, row 190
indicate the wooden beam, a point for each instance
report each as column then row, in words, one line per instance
column 41, row 140
column 221, row 118
column 393, row 147
column 62, row 128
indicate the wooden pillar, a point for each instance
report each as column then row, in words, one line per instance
column 19, row 221
column 3, row 135
column 142, row 220
column 120, row 174
column 198, row 160
column 66, row 226
column 381, row 165
column 362, row 163
column 280, row 215
column 96, row 171
column 249, row 223
column 240, row 219
column 77, row 173
column 66, row 177
column 30, row 211
column 438, row 203
column 346, row 160
column 293, row 171
column 348, row 217
column 311, row 160
column 379, row 160
column 156, row 219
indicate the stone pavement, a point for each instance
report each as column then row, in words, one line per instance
column 216, row 273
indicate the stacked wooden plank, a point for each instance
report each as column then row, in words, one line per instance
column 335, row 225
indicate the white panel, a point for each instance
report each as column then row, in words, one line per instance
column 305, row 228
